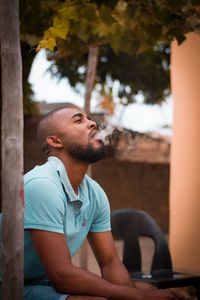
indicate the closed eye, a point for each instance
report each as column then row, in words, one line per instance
column 80, row 117
column 78, row 120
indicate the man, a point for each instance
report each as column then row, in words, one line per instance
column 63, row 206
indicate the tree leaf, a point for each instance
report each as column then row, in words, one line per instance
column 105, row 14
column 48, row 44
column 60, row 30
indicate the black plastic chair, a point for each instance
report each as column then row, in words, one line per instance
column 129, row 225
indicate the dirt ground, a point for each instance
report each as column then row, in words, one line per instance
column 147, row 252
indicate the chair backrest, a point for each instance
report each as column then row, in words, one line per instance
column 129, row 225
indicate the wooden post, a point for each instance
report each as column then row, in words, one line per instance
column 90, row 77
column 12, row 151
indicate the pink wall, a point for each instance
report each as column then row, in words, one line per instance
column 185, row 155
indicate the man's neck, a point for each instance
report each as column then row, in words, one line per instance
column 76, row 170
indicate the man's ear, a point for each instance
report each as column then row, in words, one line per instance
column 54, row 141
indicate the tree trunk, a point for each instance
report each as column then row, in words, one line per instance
column 12, row 151
column 91, row 72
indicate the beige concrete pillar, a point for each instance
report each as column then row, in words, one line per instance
column 185, row 156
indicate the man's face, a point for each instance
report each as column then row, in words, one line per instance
column 77, row 133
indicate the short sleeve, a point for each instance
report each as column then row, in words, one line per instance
column 44, row 205
column 101, row 222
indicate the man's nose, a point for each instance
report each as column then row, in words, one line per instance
column 92, row 124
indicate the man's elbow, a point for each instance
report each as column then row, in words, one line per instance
column 62, row 279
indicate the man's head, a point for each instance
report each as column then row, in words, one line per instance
column 69, row 131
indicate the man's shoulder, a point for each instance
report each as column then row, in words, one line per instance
column 45, row 170
column 94, row 185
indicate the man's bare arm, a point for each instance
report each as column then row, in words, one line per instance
column 112, row 269
column 110, row 265
column 65, row 277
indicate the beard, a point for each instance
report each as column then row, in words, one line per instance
column 86, row 154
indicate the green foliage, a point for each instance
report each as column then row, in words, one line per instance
column 85, row 23
column 133, row 36
column 128, row 26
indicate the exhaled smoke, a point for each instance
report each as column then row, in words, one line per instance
column 110, row 134
column 114, row 135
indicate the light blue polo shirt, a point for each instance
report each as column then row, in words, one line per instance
column 51, row 204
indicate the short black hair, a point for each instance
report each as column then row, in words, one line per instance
column 52, row 112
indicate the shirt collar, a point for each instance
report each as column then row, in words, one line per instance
column 62, row 172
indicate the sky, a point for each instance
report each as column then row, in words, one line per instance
column 137, row 116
